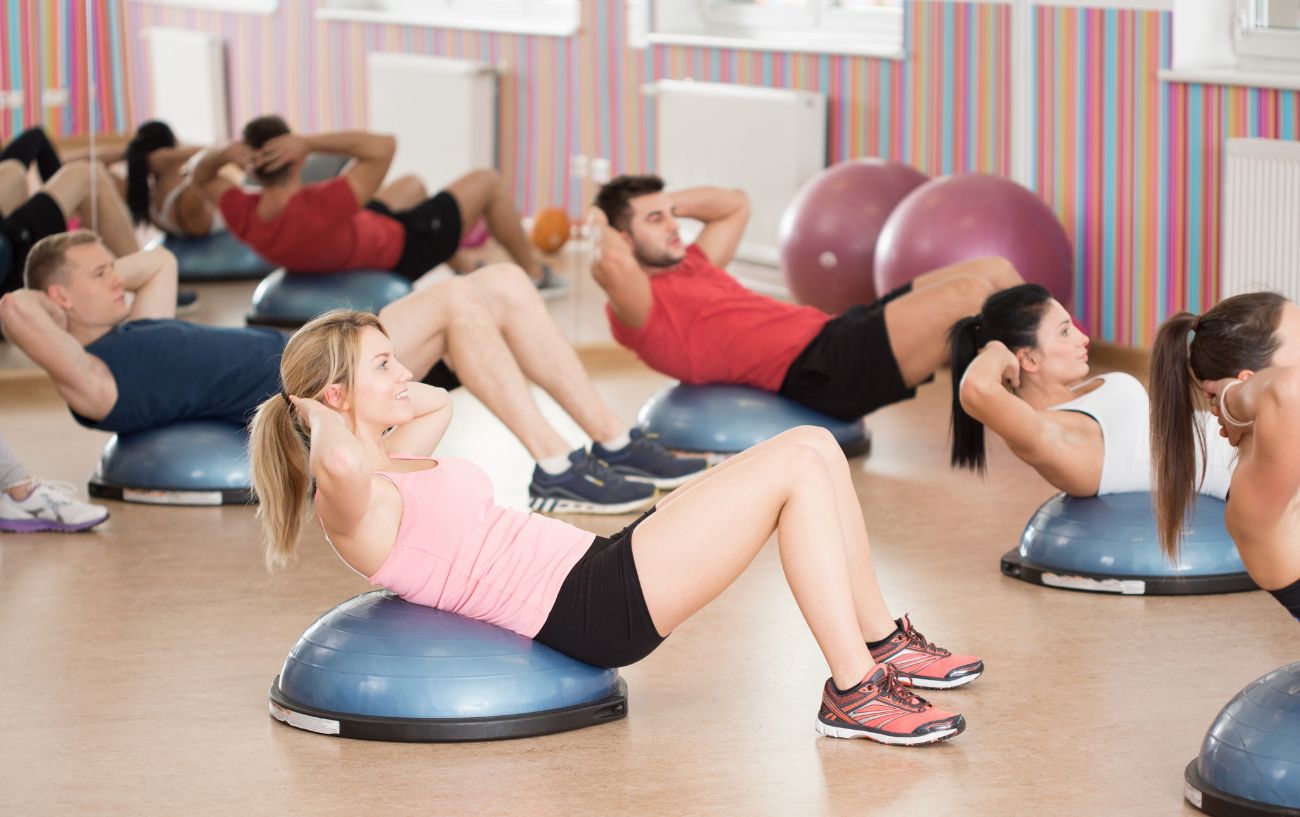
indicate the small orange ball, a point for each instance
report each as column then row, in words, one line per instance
column 550, row 229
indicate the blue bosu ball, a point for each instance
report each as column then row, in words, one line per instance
column 1250, row 759
column 216, row 257
column 196, row 462
column 727, row 419
column 1108, row 544
column 380, row 668
column 291, row 299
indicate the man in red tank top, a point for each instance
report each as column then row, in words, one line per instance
column 350, row 222
column 683, row 315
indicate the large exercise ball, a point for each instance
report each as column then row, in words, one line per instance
column 972, row 215
column 828, row 233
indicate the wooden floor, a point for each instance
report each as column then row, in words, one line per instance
column 136, row 661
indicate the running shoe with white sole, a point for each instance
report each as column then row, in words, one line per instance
column 644, row 460
column 882, row 709
column 922, row 664
column 588, row 486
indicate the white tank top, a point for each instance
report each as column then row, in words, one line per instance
column 1120, row 407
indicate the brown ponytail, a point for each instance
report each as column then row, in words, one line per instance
column 1237, row 334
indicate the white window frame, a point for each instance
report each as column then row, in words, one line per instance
column 1256, row 42
column 818, row 26
column 552, row 18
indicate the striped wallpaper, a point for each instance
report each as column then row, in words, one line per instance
column 43, row 44
column 1130, row 164
column 1133, row 166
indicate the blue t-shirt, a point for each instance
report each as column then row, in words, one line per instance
column 170, row 370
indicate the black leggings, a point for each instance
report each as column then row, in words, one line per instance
column 32, row 145
column 600, row 615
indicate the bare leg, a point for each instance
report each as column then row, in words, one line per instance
column 481, row 193
column 918, row 322
column 544, row 354
column 70, row 189
column 873, row 614
column 450, row 319
column 402, row 193
column 13, row 186
column 686, row 555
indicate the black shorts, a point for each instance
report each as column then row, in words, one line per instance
column 849, row 368
column 35, row 219
column 432, row 229
column 600, row 616
column 441, row 376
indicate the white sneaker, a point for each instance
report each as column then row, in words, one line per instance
column 49, row 506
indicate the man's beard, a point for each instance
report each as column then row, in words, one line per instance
column 661, row 261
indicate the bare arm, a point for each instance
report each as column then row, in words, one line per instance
column 167, row 160
column 420, row 436
column 39, row 327
column 725, row 214
column 984, row 396
column 617, row 272
column 151, row 275
column 373, row 153
column 337, row 464
column 1267, row 406
column 207, row 172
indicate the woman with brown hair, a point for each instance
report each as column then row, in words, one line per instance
column 352, row 423
column 1243, row 358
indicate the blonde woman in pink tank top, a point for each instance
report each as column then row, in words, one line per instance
column 428, row 529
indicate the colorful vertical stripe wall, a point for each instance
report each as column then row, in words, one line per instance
column 43, row 46
column 1131, row 164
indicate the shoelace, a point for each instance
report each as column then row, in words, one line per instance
column 895, row 689
column 599, row 469
column 924, row 643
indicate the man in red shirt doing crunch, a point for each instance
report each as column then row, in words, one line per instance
column 684, row 316
column 350, row 222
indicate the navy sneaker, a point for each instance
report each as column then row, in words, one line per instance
column 644, row 460
column 186, row 302
column 588, row 487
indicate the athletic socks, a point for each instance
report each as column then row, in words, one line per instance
column 555, row 465
column 616, row 443
column 1289, row 596
column 875, row 645
column 560, row 462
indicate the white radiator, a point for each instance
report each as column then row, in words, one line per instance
column 187, row 72
column 1261, row 217
column 765, row 141
column 442, row 111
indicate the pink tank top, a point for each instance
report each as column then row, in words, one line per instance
column 457, row 550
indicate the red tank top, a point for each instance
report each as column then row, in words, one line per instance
column 705, row 327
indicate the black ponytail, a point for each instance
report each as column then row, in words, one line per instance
column 150, row 136
column 1009, row 315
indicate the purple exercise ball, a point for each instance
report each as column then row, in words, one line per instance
column 828, row 233
column 971, row 215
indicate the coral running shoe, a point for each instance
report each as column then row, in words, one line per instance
column 922, row 664
column 882, row 709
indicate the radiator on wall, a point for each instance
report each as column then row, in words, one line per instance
column 766, row 141
column 443, row 112
column 1261, row 217
column 187, row 72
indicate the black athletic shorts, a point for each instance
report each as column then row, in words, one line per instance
column 432, row 229
column 441, row 376
column 600, row 616
column 849, row 368
column 35, row 219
